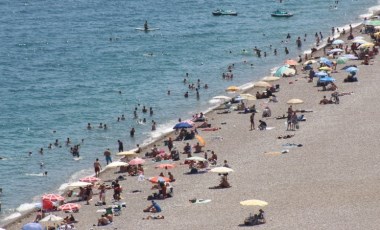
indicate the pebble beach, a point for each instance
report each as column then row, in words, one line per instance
column 329, row 182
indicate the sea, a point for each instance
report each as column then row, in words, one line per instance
column 68, row 63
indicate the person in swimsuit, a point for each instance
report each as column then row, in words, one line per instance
column 97, row 167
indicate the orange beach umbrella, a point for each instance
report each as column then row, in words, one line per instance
column 201, row 141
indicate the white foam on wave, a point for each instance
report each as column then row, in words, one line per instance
column 12, row 216
column 28, row 206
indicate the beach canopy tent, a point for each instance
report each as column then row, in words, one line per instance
column 32, row 226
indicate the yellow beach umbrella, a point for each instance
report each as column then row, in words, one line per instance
column 366, row 45
column 247, row 96
column 262, row 84
column 232, row 88
column 201, row 141
column 325, row 68
column 294, row 101
column 126, row 153
column 260, row 203
column 270, row 78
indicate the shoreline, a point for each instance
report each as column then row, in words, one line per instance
column 149, row 145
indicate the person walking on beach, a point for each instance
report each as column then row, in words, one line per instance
column 97, row 167
column 121, row 148
column 107, row 154
column 252, row 119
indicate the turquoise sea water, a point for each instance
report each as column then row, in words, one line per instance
column 63, row 64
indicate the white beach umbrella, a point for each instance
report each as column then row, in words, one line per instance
column 221, row 97
column 126, row 153
column 247, row 96
column 294, row 101
column 221, row 170
column 262, row 84
column 116, row 164
column 78, row 184
column 196, row 159
column 270, row 78
column 51, row 220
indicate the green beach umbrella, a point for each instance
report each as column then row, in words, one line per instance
column 341, row 60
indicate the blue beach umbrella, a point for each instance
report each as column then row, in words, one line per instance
column 325, row 61
column 321, row 74
column 32, row 226
column 352, row 69
column 350, row 56
column 348, row 66
column 182, row 125
column 326, row 79
column 334, row 51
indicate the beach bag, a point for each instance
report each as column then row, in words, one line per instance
column 297, row 126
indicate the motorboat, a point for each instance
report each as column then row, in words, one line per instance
column 281, row 13
column 220, row 12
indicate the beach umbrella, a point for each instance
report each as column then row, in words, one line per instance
column 126, row 153
column 78, row 184
column 262, row 84
column 89, row 179
column 373, row 23
column 341, row 60
column 232, row 88
column 165, row 166
column 32, row 226
column 294, row 101
column 196, row 159
column 325, row 61
column 201, row 141
column 221, row 170
column 350, row 56
column 53, row 197
column 358, row 38
column 325, row 68
column 182, row 125
column 348, row 66
column 334, row 51
column 284, row 70
column 260, row 203
column 137, row 161
column 270, row 78
column 116, row 164
column 366, row 45
column 359, row 41
column 247, row 96
column 326, row 79
column 309, row 62
column 157, row 179
column 338, row 42
column 222, row 97
column 69, row 207
column 291, row 62
column 321, row 73
column 352, row 69
column 51, row 220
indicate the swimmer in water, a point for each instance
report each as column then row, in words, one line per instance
column 146, row 26
column 42, row 164
column 30, row 153
column 88, row 126
column 186, row 95
column 41, row 151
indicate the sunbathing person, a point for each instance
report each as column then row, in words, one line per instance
column 151, row 217
column 325, row 101
column 285, row 136
column 204, row 125
column 105, row 220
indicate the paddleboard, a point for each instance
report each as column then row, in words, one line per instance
column 149, row 29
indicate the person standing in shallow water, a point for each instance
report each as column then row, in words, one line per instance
column 107, row 154
column 121, row 147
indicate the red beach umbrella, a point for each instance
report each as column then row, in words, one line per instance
column 69, row 207
column 156, row 179
column 165, row 166
column 90, row 179
column 137, row 161
column 53, row 197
